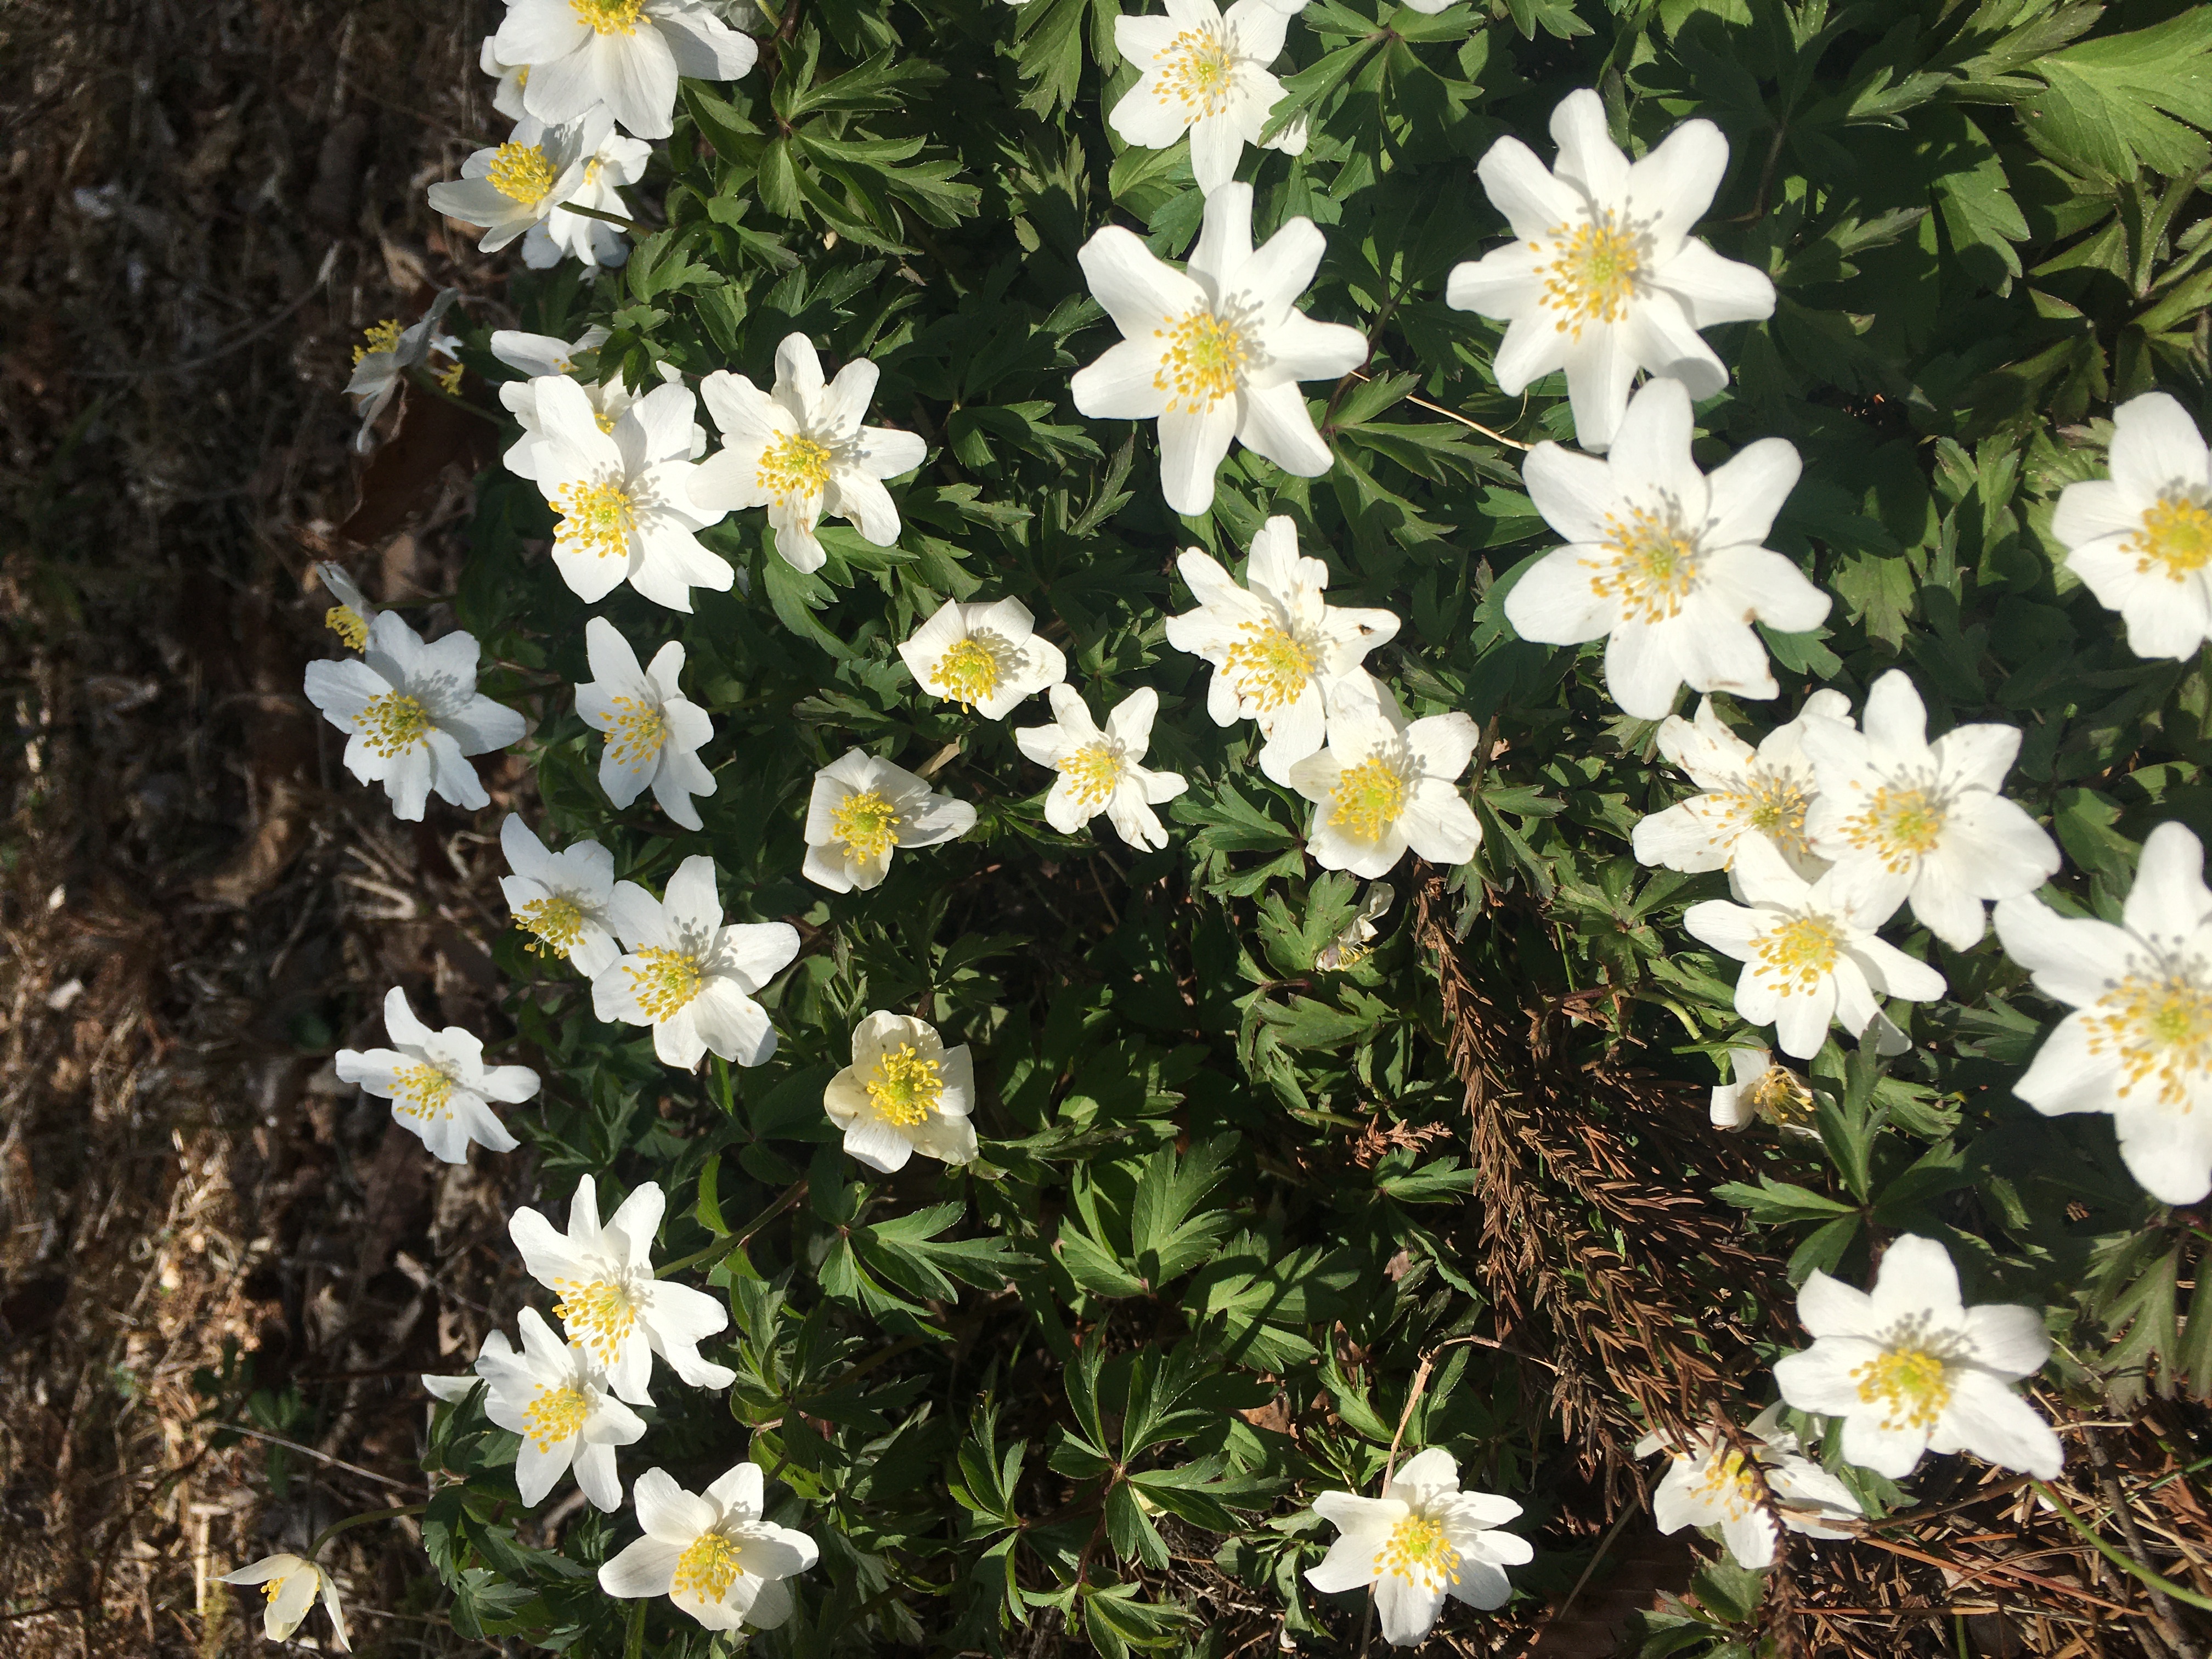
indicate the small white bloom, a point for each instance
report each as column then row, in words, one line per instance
column 1762, row 1088
column 1099, row 769
column 1383, row 785
column 1422, row 1540
column 291, row 1586
column 1354, row 942
column 983, row 657
column 2142, row 539
column 413, row 715
column 437, row 1083
column 506, row 96
column 1603, row 277
column 690, row 977
column 626, row 54
column 716, row 1556
column 555, row 1394
column 653, row 731
column 905, row 1092
column 862, row 809
column 1765, row 792
column 608, row 163
column 1663, row 561
column 352, row 616
column 387, row 352
column 1215, row 351
column 1707, row 1484
column 801, row 451
column 566, row 900
column 538, row 355
column 610, row 1303
column 2139, row 1042
column 1911, row 1369
column 1281, row 655
column 511, row 189
column 1204, row 72
column 1901, row 818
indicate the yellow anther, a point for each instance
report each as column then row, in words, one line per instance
column 556, row 922
column 1367, row 799
column 1911, row 1385
column 865, row 823
column 348, row 624
column 1206, row 359
column 393, row 723
column 2176, row 533
column 1270, row 665
column 1592, row 272
column 1653, row 565
column 425, row 1090
column 906, row 1086
column 554, row 1416
column 1803, row 950
column 596, row 518
column 668, row 980
column 641, row 731
column 521, row 172
column 795, row 468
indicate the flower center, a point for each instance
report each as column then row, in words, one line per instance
column 1367, row 799
column 2177, row 532
column 557, row 921
column 795, row 469
column 1901, row 826
column 274, row 1587
column 1593, row 273
column 640, row 731
column 393, row 723
column 425, row 1090
column 521, row 172
column 378, row 339
column 1092, row 773
column 969, row 673
column 1774, row 804
column 597, row 518
column 1782, row 1096
column 553, row 1415
column 1726, row 1482
column 2160, row 1024
column 596, row 1312
column 348, row 624
column 1803, row 949
column 668, row 980
column 706, row 1569
column 1270, row 665
column 1654, row 565
column 1911, row 1385
column 867, row 823
column 906, row 1086
column 608, row 16
column 1417, row 1550
column 1200, row 71
column 1205, row 360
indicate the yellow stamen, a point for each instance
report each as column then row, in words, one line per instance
column 1206, row 359
column 1803, row 950
column 1902, row 826
column 1593, row 273
column 521, row 172
column 1773, row 803
column 1911, row 1385
column 425, row 1090
column 378, row 337
column 1093, row 773
column 2177, row 534
column 969, row 673
column 1200, row 71
column 1727, row 1482
column 1781, row 1096
column 596, row 1313
column 1270, row 665
column 706, row 1569
column 597, row 518
column 1648, row 563
column 393, row 723
column 866, row 824
column 2159, row 1025
column 906, row 1086
column 1417, row 1550
column 557, row 923
column 1367, row 799
column 609, row 16
column 668, row 980
column 554, row 1416
column 450, row 381
column 348, row 624
column 641, row 730
column 795, row 469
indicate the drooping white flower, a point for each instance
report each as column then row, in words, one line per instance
column 716, row 1556
column 540, row 354
column 905, row 1092
column 1205, row 72
column 1911, row 1369
column 1422, row 1540
column 352, row 616
column 610, row 1303
column 2139, row 1041
column 1762, row 1087
column 609, row 162
column 566, row 900
column 1809, row 954
column 1383, row 785
column 506, row 96
column 862, row 810
column 1903, row 818
column 1765, row 792
column 1282, row 656
column 653, row 731
column 1215, row 351
column 1603, row 277
column 537, row 355
column 413, row 715
column 437, row 1083
column 626, row 54
column 1354, row 942
column 1707, row 1484
column 1663, row 561
column 510, row 190
column 1100, row 768
column 800, row 451
column 983, row 657
column 291, row 1586
column 689, row 976
column 2142, row 539
column 380, row 363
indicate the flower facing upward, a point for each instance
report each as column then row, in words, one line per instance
column 626, row 54
column 1911, row 1369
column 1383, row 785
column 1215, row 351
column 1707, row 1484
column 437, row 1083
column 653, row 731
column 564, row 901
column 1205, row 72
column 350, row 616
column 555, row 1395
column 291, row 1586
column 1423, row 1540
column 512, row 189
column 690, row 977
column 1663, row 561
column 716, row 1556
column 1763, row 792
column 905, row 1092
column 1603, row 277
column 2142, row 539
column 1100, row 769
column 1761, row 1087
column 862, row 810
column 983, row 657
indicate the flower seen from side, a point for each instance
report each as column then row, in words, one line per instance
column 1383, row 785
column 626, row 54
column 610, row 162
column 653, row 731
column 1101, row 767
column 350, row 616
column 905, row 1092
column 506, row 96
column 564, row 901
column 437, row 1083
column 538, row 355
column 511, row 189
column 716, row 1555
column 1743, row 791
column 692, row 978
column 1204, row 71
column 555, row 1394
column 2142, row 539
column 387, row 351
column 983, row 657
column 1707, row 1483
column 291, row 1587
column 1355, row 942
column 1761, row 1087
column 862, row 810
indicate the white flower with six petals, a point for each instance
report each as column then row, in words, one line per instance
column 983, row 657
column 862, row 810
column 689, row 976
column 555, row 1394
column 512, row 189
column 1383, row 785
column 564, row 901
column 1100, row 768
column 905, row 1092
column 654, row 732
column 1707, row 1484
column 1204, row 71
column 1765, row 791
column 715, row 1556
column 2142, row 539
column 626, row 54
column 437, row 1083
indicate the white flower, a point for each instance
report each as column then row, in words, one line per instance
column 1662, row 561
column 413, row 715
column 513, row 188
column 1098, row 769
column 862, row 809
column 291, row 1586
column 1762, row 1088
column 623, row 493
column 2142, row 539
column 612, row 162
column 1422, row 1540
column 566, row 900
column 1603, row 277
column 1763, row 792
column 555, row 1394
column 1354, row 942
column 653, row 731
column 1383, row 785
column 2139, row 1042
column 437, row 1083
column 538, row 355
column 506, row 96
column 1281, row 655
column 388, row 351
column 626, row 54
column 983, row 657
column 1215, row 351
column 1707, row 1484
column 905, row 1092
column 1204, row 71
column 610, row 1303
column 801, row 451
column 690, row 977
column 1911, row 1369
column 714, row 1556
column 352, row 616
column 1901, row 818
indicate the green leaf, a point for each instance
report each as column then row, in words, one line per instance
column 2128, row 101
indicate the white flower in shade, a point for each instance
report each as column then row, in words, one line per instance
column 612, row 162
column 1761, row 1087
column 538, row 355
column 1422, row 1540
column 351, row 615
column 1383, row 785
column 555, row 1394
column 1763, row 792
column 1281, row 655
column 380, row 363
column 2142, row 539
column 2139, row 1041
column 1809, row 953
column 1663, row 561
column 1355, row 942
column 1912, row 1370
column 800, row 451
column 716, row 1556
column 1707, row 1484
column 1903, row 818
column 983, row 657
column 610, row 1303
column 626, row 54
column 565, row 901
column 905, row 1092
column 511, row 190
column 1099, row 768
column 862, row 810
column 1603, row 277
column 1215, row 351
column 413, row 715
column 653, row 731
column 506, row 96
column 622, row 495
column 437, row 1083
column 291, row 1586
column 689, row 976
column 1205, row 72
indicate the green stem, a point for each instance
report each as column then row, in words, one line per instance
column 337, row 1527
column 2126, row 1564
column 630, row 225
column 423, row 381
column 722, row 1247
